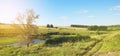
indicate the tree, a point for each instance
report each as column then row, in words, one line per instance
column 79, row 26
column 51, row 26
column 26, row 29
column 48, row 25
column 94, row 28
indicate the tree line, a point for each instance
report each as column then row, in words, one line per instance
column 99, row 28
column 94, row 28
column 82, row 26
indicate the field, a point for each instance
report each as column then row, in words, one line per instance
column 63, row 41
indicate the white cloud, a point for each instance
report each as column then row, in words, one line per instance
column 91, row 16
column 63, row 17
column 83, row 11
column 117, row 14
column 115, row 7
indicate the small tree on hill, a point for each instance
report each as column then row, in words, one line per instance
column 51, row 26
column 48, row 25
column 27, row 30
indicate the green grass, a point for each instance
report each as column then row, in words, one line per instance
column 110, row 43
column 7, row 40
column 64, row 30
column 65, row 49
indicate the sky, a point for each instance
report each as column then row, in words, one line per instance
column 64, row 12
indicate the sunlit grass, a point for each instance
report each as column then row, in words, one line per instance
column 7, row 40
column 110, row 43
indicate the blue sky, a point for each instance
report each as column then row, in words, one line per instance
column 65, row 12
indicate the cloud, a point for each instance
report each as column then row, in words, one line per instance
column 63, row 17
column 117, row 14
column 83, row 11
column 115, row 7
column 91, row 16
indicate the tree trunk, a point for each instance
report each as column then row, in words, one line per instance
column 28, row 44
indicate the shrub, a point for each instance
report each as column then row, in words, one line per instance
column 61, row 39
column 100, row 28
column 81, row 26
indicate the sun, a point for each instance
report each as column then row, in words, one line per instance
column 8, row 11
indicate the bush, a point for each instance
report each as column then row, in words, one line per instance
column 57, row 33
column 64, row 33
column 100, row 28
column 79, row 26
column 62, row 39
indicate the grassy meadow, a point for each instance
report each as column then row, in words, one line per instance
column 62, row 41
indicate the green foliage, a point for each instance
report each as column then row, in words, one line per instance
column 65, row 49
column 92, row 27
column 111, row 43
column 62, row 39
column 114, row 27
column 81, row 26
column 99, row 28
column 50, row 26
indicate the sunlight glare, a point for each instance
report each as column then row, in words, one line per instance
column 8, row 11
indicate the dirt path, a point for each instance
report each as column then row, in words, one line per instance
column 93, row 46
column 111, row 53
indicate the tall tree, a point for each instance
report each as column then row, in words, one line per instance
column 26, row 29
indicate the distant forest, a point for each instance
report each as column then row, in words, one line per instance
column 96, row 27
